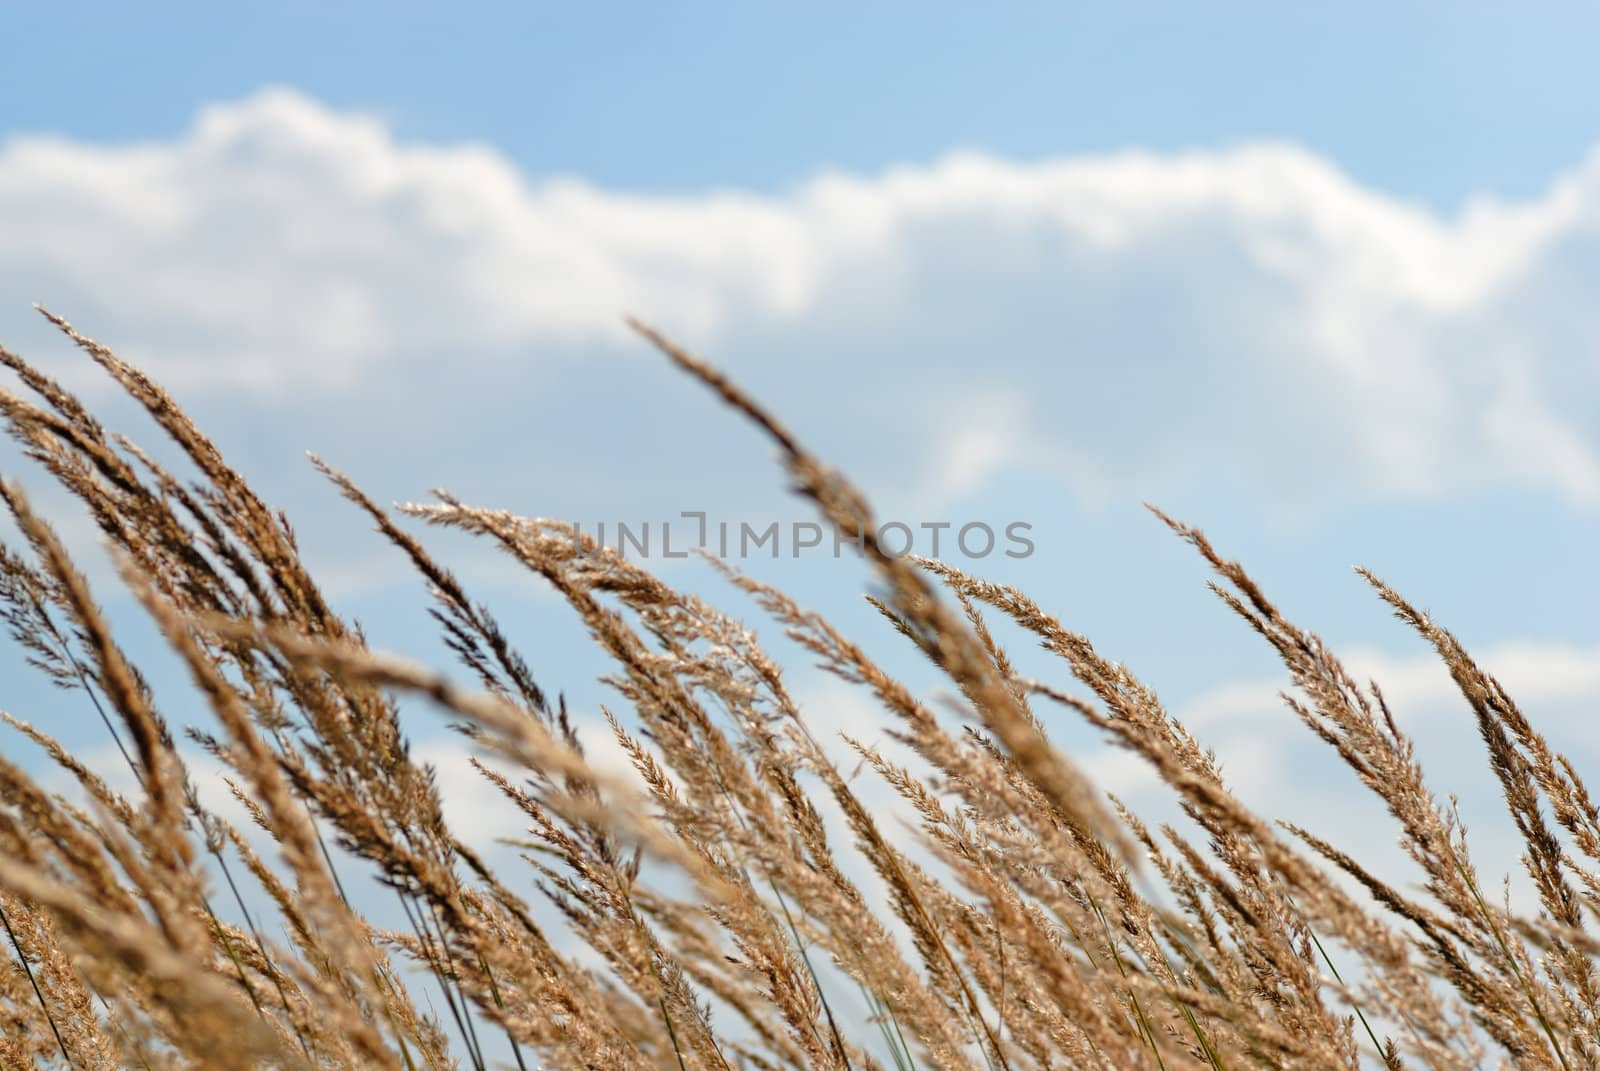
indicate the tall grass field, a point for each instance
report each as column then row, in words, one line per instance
column 732, row 902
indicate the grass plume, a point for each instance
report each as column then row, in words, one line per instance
column 1028, row 921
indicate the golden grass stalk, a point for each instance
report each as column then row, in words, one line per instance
column 723, row 906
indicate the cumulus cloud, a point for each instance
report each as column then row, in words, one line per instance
column 1273, row 758
column 1534, row 674
column 1155, row 319
column 1282, row 771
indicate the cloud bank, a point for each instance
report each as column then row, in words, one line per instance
column 1131, row 321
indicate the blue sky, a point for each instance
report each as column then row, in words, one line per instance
column 1318, row 280
column 1433, row 102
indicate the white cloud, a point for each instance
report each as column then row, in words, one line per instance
column 1533, row 674
column 1156, row 319
column 1280, row 770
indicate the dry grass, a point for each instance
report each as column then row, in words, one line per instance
column 1034, row 923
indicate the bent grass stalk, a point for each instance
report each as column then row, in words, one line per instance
column 710, row 892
